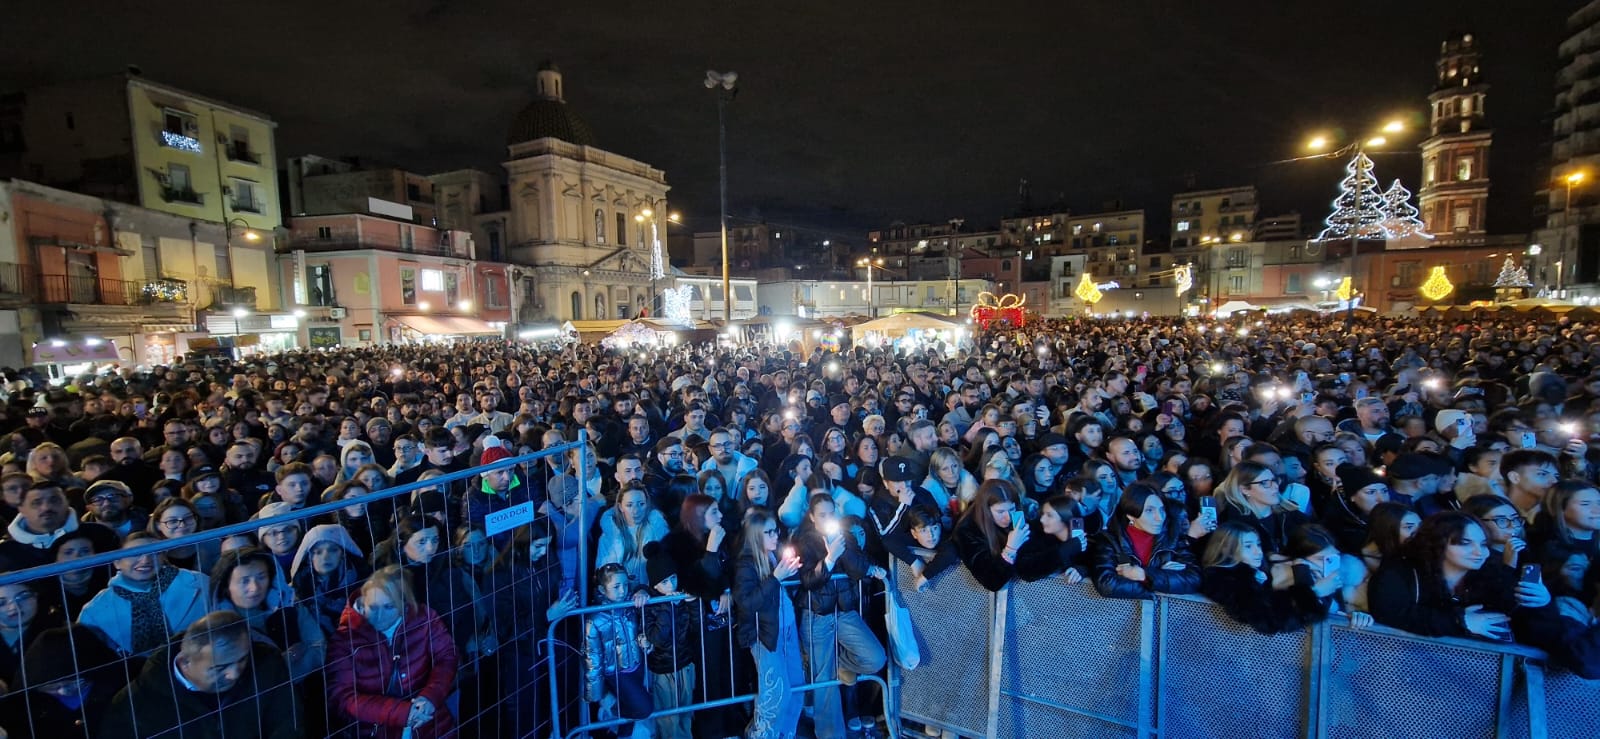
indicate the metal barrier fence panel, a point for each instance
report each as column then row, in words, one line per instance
column 1072, row 662
column 1571, row 707
column 953, row 622
column 1218, row 677
column 303, row 672
column 1393, row 685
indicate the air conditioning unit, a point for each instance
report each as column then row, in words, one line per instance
column 336, row 313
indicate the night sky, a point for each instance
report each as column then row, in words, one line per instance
column 850, row 114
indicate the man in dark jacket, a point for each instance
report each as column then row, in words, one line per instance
column 219, row 684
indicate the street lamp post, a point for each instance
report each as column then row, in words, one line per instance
column 724, row 83
column 869, row 263
column 1572, row 180
column 1358, row 150
column 239, row 312
column 658, row 261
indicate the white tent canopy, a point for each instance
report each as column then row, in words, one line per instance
column 900, row 323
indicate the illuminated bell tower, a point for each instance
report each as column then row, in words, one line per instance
column 1455, row 157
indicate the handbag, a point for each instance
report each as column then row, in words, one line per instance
column 902, row 635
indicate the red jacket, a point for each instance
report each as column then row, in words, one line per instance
column 373, row 680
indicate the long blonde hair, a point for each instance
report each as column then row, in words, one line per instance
column 1231, row 489
column 1227, row 545
column 755, row 524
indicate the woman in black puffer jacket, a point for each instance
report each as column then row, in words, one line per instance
column 1271, row 599
column 1142, row 551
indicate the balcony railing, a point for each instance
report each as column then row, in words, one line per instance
column 181, row 195
column 437, row 250
column 244, row 297
column 93, row 290
column 240, row 152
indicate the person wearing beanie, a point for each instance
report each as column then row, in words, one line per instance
column 1360, row 491
column 496, row 490
column 674, row 640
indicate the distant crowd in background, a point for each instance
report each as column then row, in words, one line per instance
column 1431, row 476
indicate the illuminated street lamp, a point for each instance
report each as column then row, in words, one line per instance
column 1573, row 179
column 239, row 312
column 869, row 263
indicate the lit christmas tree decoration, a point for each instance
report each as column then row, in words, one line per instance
column 1512, row 276
column 1358, row 211
column 675, row 304
column 1400, row 216
column 1438, row 285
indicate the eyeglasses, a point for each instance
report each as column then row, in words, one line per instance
column 1265, row 482
column 104, row 499
column 1507, row 522
column 175, row 523
column 728, row 445
column 769, row 532
column 22, row 597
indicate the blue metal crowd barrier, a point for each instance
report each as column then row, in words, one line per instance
column 1051, row 659
column 488, row 701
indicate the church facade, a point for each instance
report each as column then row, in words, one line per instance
column 582, row 222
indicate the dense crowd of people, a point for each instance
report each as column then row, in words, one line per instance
column 738, row 509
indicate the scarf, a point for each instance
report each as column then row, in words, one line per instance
column 148, row 618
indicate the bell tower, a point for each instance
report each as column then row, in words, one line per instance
column 1455, row 157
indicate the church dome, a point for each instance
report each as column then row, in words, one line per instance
column 547, row 115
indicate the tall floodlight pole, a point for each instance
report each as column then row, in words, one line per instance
column 724, row 83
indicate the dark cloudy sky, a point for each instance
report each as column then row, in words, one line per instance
column 850, row 113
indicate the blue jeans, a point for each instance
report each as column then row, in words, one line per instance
column 837, row 645
column 777, row 713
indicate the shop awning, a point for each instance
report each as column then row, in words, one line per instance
column 75, row 352
column 447, row 325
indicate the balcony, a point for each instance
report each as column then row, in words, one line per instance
column 348, row 244
column 93, row 290
column 181, row 195
column 239, row 151
column 231, row 296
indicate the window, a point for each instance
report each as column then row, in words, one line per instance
column 1296, row 252
column 1077, row 230
column 239, row 146
column 1005, row 265
column 1461, row 218
column 1293, row 285
column 324, row 232
column 452, row 289
column 622, row 229
column 1406, row 274
column 1236, row 285
column 432, row 280
column 1238, row 257
column 492, row 295
column 320, row 282
column 1226, row 203
column 180, row 130
column 494, row 247
column 1464, row 168
column 1183, row 226
column 178, row 178
column 413, row 191
column 1097, row 228
column 408, row 286
column 244, row 196
column 1155, row 262
column 152, row 260
column 224, row 263
column 1113, row 240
